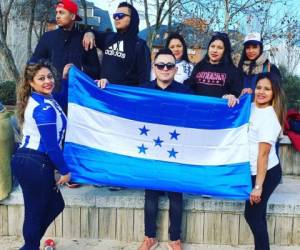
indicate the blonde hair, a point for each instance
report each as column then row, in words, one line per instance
column 24, row 89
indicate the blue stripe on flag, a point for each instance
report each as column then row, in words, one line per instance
column 93, row 166
column 152, row 106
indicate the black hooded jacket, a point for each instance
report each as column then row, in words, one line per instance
column 126, row 58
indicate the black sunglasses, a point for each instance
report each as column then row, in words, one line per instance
column 161, row 66
column 119, row 15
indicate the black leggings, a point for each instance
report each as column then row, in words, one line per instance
column 255, row 215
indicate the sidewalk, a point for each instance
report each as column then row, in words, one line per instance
column 13, row 243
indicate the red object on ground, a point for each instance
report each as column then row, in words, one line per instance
column 49, row 244
column 294, row 137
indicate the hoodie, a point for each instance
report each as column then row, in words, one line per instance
column 215, row 80
column 126, row 57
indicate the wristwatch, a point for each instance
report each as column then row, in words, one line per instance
column 257, row 187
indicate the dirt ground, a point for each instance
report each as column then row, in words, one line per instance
column 14, row 243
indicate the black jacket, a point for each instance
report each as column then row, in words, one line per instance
column 126, row 58
column 61, row 47
column 215, row 80
column 174, row 87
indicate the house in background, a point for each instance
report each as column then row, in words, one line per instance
column 189, row 29
column 196, row 34
column 97, row 18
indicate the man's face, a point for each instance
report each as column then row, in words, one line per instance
column 64, row 18
column 164, row 68
column 122, row 23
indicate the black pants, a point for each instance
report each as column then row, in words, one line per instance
column 42, row 200
column 255, row 215
column 151, row 210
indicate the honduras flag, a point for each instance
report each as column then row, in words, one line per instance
column 144, row 138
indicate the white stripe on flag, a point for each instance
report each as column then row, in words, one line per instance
column 123, row 136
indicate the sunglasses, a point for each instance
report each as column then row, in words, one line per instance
column 222, row 34
column 119, row 15
column 161, row 66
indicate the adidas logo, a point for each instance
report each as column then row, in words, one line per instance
column 117, row 49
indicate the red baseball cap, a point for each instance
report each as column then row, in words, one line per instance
column 71, row 6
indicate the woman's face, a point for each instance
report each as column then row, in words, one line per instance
column 43, row 82
column 252, row 51
column 176, row 47
column 216, row 51
column 263, row 93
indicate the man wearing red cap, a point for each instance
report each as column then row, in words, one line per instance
column 63, row 45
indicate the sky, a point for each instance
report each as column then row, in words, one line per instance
column 112, row 5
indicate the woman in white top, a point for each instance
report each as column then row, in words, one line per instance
column 177, row 45
column 266, row 120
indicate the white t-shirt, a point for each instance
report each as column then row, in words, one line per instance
column 263, row 127
column 184, row 71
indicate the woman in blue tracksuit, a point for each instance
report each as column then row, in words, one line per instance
column 43, row 126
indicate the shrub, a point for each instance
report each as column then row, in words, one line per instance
column 8, row 92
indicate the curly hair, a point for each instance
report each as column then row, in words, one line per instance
column 24, row 88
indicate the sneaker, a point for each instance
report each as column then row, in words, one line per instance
column 148, row 244
column 174, row 245
column 49, row 244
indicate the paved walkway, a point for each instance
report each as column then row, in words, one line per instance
column 13, row 243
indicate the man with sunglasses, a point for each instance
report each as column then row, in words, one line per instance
column 164, row 69
column 64, row 45
column 126, row 57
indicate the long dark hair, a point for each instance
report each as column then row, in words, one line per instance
column 226, row 58
column 244, row 57
column 176, row 35
column 278, row 100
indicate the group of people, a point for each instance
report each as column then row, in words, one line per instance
column 126, row 60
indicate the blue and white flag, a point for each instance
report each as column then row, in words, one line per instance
column 144, row 138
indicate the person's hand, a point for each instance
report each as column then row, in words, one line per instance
column 232, row 100
column 66, row 70
column 88, row 41
column 102, row 83
column 246, row 91
column 255, row 196
column 63, row 179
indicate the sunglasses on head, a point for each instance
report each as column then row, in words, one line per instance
column 161, row 66
column 222, row 34
column 119, row 15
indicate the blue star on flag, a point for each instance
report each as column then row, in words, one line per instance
column 158, row 141
column 142, row 149
column 174, row 135
column 144, row 130
column 172, row 153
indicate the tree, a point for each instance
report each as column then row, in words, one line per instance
column 32, row 4
column 5, row 53
column 158, row 11
column 291, row 86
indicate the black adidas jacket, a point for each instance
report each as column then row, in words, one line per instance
column 126, row 58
